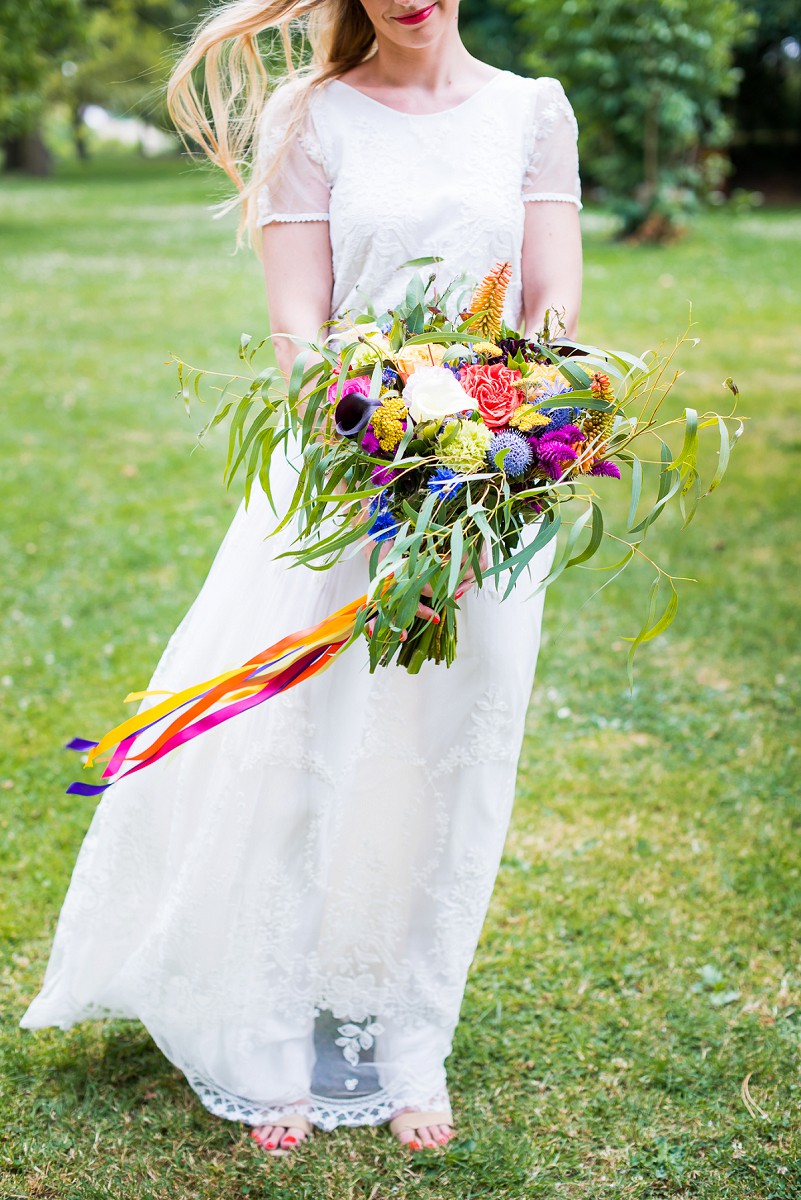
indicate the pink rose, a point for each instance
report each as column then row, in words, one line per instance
column 493, row 390
column 361, row 384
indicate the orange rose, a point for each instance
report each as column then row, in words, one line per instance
column 493, row 390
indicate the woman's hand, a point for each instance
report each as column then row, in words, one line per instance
column 424, row 611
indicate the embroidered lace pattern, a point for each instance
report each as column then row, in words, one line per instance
column 396, row 186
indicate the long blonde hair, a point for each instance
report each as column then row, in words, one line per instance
column 321, row 39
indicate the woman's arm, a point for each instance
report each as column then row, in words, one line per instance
column 551, row 263
column 299, row 279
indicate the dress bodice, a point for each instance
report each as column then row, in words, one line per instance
column 396, row 186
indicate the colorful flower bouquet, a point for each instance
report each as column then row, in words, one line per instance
column 435, row 439
column 433, row 436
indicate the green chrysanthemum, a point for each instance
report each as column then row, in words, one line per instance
column 465, row 450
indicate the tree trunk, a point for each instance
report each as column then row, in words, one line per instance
column 650, row 149
column 79, row 132
column 27, row 152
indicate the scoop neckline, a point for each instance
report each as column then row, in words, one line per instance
column 441, row 112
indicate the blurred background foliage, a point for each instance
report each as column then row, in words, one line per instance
column 678, row 101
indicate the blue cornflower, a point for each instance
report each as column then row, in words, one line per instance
column 442, row 483
column 384, row 525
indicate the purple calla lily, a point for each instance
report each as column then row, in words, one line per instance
column 353, row 412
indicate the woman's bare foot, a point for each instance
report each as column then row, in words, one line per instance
column 424, row 1137
column 278, row 1139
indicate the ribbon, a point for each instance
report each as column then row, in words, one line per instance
column 194, row 710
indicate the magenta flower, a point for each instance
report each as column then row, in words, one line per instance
column 382, row 476
column 606, row 468
column 361, row 384
column 370, row 443
column 554, row 456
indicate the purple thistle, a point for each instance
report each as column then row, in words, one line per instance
column 607, row 467
column 382, row 476
column 370, row 442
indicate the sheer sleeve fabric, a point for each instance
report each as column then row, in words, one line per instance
column 552, row 171
column 300, row 189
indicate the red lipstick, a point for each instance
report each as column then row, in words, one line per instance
column 417, row 17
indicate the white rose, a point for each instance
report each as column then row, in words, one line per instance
column 433, row 393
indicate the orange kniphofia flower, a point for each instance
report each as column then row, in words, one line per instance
column 488, row 300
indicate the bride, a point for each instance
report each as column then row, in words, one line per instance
column 290, row 904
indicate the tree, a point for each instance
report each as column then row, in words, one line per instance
column 123, row 61
column 490, row 30
column 767, row 110
column 31, row 35
column 646, row 78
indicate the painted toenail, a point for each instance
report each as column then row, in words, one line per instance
column 290, row 1138
column 442, row 1141
column 414, row 1146
column 430, row 1146
column 269, row 1145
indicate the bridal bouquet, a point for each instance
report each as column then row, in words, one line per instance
column 436, row 433
column 433, row 435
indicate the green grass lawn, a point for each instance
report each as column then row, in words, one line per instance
column 641, row 958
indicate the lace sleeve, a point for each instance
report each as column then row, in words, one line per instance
column 299, row 190
column 552, row 169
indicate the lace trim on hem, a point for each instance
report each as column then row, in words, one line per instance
column 325, row 1112
column 286, row 218
column 563, row 197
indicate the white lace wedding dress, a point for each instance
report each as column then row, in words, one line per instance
column 290, row 904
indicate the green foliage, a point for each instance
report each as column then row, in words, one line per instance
column 115, row 53
column 646, row 78
column 31, row 34
column 438, row 535
column 124, row 58
column 769, row 99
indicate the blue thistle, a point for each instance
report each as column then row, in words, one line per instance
column 390, row 379
column 557, row 388
column 441, row 483
column 519, row 457
column 559, row 417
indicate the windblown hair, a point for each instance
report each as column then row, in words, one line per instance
column 321, row 39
